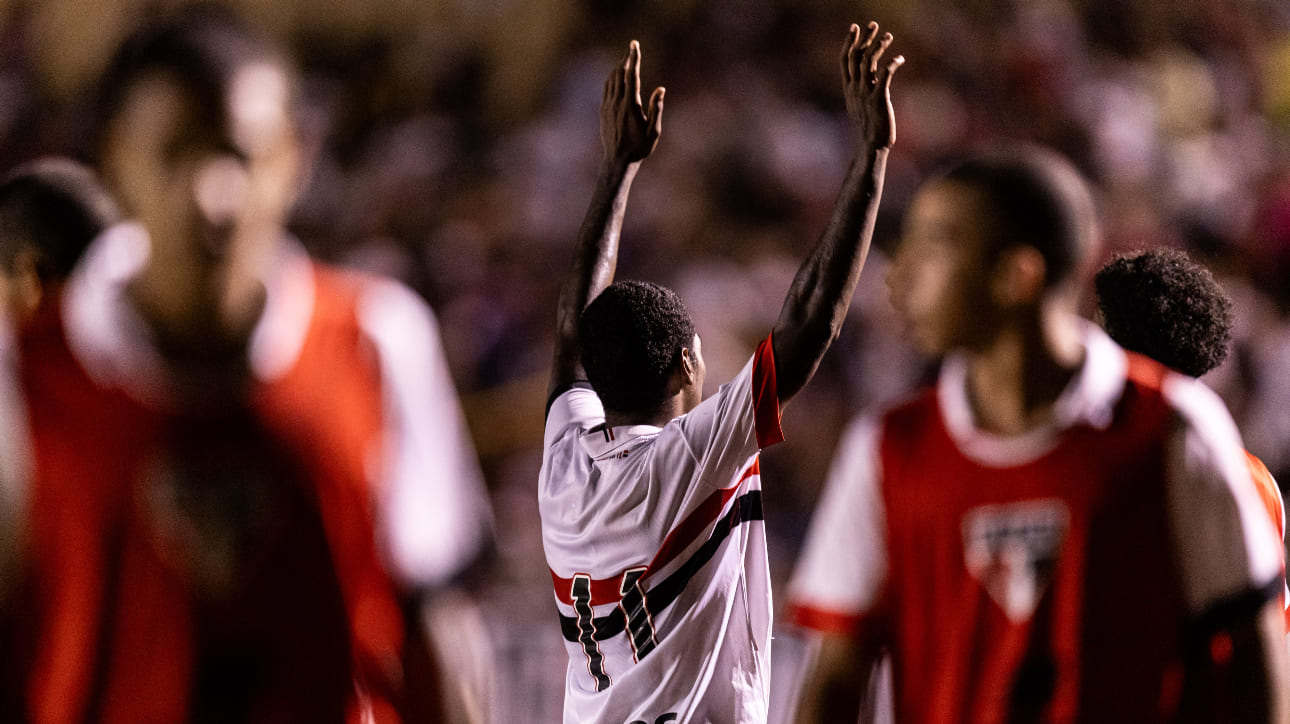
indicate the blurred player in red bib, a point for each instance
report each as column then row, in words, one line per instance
column 246, row 467
column 1056, row 531
column 50, row 210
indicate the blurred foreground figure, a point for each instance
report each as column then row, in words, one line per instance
column 50, row 211
column 247, row 467
column 1056, row 531
column 650, row 496
column 1162, row 304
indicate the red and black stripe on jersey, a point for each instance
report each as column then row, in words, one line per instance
column 745, row 509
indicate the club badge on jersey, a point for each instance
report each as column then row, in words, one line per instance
column 1012, row 549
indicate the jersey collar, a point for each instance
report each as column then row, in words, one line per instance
column 603, row 442
column 1089, row 399
column 114, row 345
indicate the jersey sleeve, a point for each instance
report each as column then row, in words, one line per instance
column 433, row 511
column 843, row 566
column 1270, row 494
column 740, row 419
column 573, row 407
column 1227, row 546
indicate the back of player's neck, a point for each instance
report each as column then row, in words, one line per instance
column 657, row 417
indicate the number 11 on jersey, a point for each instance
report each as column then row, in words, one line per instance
column 634, row 606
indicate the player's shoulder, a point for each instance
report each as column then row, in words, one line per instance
column 1269, row 492
column 1259, row 470
column 1189, row 412
column 1198, row 407
column 345, row 295
column 919, row 401
column 1180, row 398
column 1144, row 372
column 914, row 414
column 358, row 286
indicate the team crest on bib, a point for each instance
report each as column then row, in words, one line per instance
column 1012, row 549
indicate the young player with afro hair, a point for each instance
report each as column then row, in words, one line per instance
column 1161, row 304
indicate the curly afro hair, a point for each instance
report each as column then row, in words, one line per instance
column 1163, row 305
column 632, row 336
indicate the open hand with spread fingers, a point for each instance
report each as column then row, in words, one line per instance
column 866, row 83
column 628, row 130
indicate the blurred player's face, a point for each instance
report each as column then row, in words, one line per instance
column 213, row 196
column 939, row 279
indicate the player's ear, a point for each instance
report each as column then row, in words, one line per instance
column 1018, row 277
column 687, row 367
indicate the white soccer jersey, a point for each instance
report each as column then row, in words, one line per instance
column 658, row 555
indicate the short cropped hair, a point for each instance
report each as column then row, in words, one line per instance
column 1162, row 304
column 54, row 206
column 631, row 336
column 1034, row 197
column 200, row 46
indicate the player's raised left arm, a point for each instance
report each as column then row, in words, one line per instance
column 821, row 293
column 629, row 132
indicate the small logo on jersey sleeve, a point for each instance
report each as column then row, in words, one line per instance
column 1012, row 549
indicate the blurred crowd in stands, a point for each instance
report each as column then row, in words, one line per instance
column 456, row 144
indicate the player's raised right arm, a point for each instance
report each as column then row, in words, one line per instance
column 821, row 293
column 629, row 132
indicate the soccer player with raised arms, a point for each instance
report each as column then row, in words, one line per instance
column 650, row 496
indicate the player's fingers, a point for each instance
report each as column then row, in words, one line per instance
column 853, row 34
column 634, row 71
column 860, row 55
column 883, row 78
column 870, row 34
column 884, row 82
column 895, row 63
column 613, row 81
column 617, row 78
column 876, row 56
column 654, row 118
column 610, row 83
